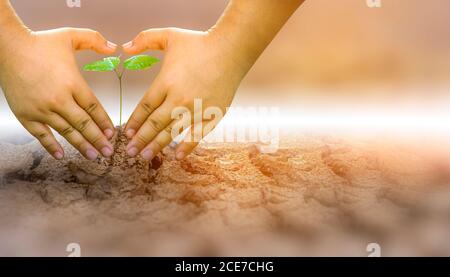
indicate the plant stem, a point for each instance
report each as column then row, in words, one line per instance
column 121, row 100
column 119, row 76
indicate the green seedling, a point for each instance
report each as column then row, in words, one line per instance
column 140, row 62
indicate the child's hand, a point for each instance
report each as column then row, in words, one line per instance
column 44, row 88
column 197, row 65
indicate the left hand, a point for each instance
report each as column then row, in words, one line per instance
column 197, row 65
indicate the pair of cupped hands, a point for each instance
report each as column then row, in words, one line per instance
column 45, row 89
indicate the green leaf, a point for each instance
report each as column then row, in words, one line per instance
column 107, row 64
column 114, row 60
column 140, row 62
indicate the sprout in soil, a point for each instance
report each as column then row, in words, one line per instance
column 140, row 62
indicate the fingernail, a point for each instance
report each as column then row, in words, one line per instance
column 58, row 155
column 173, row 145
column 131, row 133
column 107, row 152
column 180, row 155
column 128, row 44
column 111, row 45
column 147, row 154
column 91, row 154
column 108, row 133
column 132, row 152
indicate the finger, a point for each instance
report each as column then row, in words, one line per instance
column 87, row 101
column 151, row 101
column 186, row 147
column 61, row 126
column 154, row 124
column 153, row 39
column 46, row 138
column 165, row 137
column 85, row 125
column 87, row 39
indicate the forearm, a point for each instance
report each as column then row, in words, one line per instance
column 248, row 26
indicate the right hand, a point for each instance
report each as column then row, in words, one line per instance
column 44, row 88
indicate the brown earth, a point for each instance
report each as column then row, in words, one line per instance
column 315, row 196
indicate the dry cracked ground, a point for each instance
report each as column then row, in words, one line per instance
column 317, row 196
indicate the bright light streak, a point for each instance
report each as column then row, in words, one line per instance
column 424, row 122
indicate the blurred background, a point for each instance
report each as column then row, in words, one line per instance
column 335, row 63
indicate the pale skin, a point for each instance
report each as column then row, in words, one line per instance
column 206, row 65
column 44, row 88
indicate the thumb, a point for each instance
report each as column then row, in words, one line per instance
column 87, row 39
column 153, row 39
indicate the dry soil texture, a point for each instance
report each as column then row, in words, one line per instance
column 315, row 196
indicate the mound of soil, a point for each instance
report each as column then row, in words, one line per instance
column 117, row 176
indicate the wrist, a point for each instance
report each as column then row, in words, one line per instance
column 12, row 40
column 233, row 51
